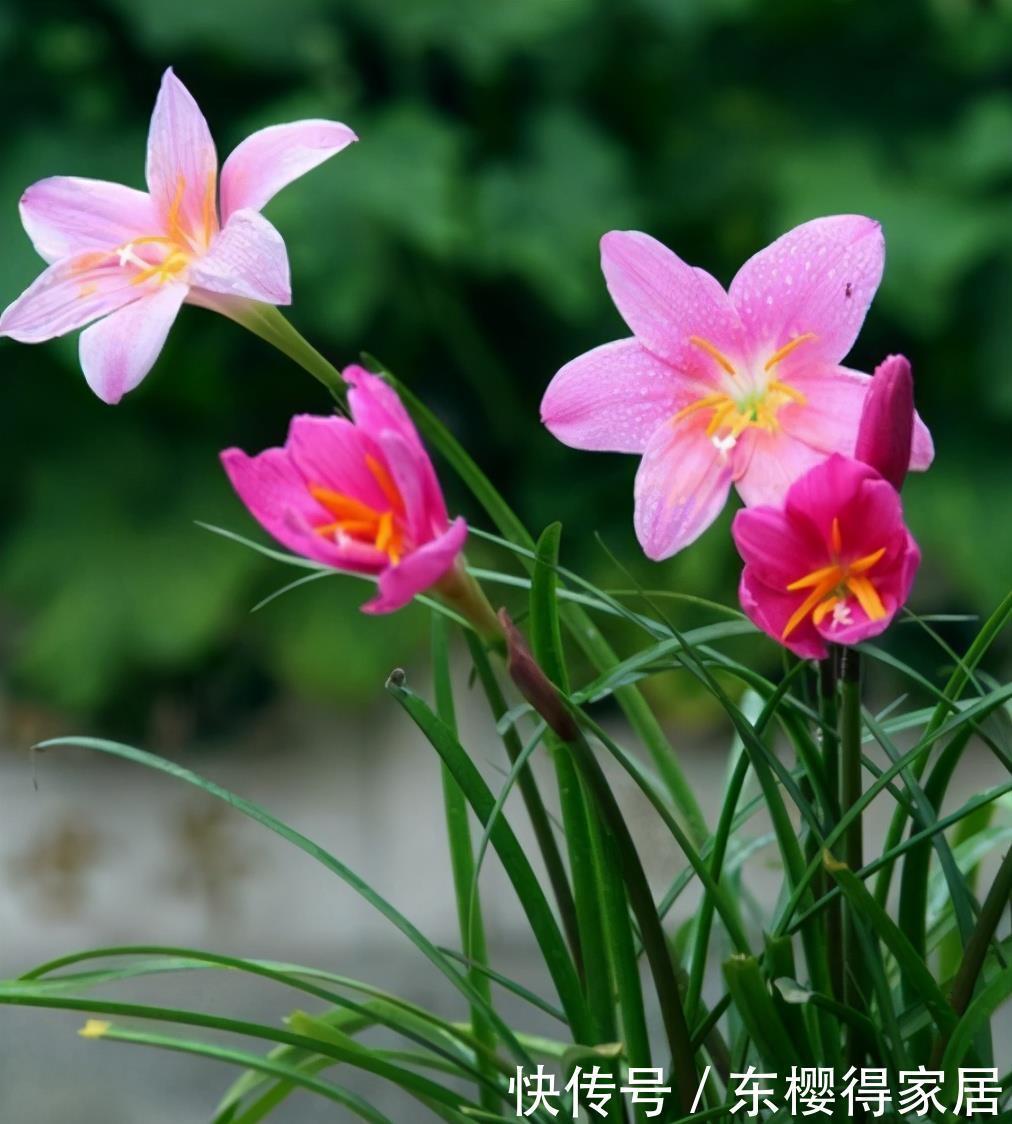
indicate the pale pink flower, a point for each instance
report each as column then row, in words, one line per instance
column 834, row 563
column 359, row 495
column 716, row 388
column 128, row 259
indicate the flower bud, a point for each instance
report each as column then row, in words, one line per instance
column 885, row 433
column 533, row 683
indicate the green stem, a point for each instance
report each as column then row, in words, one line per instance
column 995, row 904
column 269, row 323
column 831, row 767
column 536, row 811
column 473, row 941
column 651, row 931
column 850, row 794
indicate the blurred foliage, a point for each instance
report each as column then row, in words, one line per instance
column 458, row 242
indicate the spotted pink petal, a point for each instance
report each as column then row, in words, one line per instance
column 775, row 461
column 182, row 165
column 681, row 486
column 119, row 350
column 614, row 397
column 247, row 258
column 818, row 278
column 68, row 295
column 665, row 302
column 270, row 159
column 419, row 571
column 66, row 215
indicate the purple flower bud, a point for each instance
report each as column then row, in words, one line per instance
column 886, row 430
column 533, row 684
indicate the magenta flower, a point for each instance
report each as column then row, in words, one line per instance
column 128, row 259
column 885, row 434
column 834, row 563
column 717, row 388
column 359, row 495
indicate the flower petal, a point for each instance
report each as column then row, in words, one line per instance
column 182, row 165
column 819, row 277
column 378, row 410
column 68, row 295
column 270, row 159
column 331, row 452
column 375, row 405
column 246, row 259
column 274, row 490
column 614, row 397
column 665, row 302
column 118, row 351
column 776, row 461
column 775, row 549
column 829, row 418
column 770, row 609
column 681, row 486
column 65, row 215
column 419, row 571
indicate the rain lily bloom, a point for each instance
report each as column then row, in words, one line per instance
column 834, row 563
column 124, row 261
column 359, row 495
column 717, row 388
column 886, row 431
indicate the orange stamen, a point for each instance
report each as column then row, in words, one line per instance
column 830, row 584
column 705, row 345
column 386, row 483
column 867, row 597
column 784, row 351
column 809, row 603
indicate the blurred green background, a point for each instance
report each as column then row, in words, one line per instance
column 458, row 242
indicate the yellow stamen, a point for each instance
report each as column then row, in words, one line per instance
column 835, row 538
column 705, row 345
column 95, row 1028
column 784, row 351
column 173, row 223
column 721, row 412
column 783, row 388
column 867, row 597
column 208, row 211
column 700, row 404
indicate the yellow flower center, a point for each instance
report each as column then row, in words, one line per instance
column 355, row 520
column 746, row 401
column 178, row 246
column 830, row 586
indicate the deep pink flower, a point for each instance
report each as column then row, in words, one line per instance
column 128, row 259
column 359, row 495
column 717, row 388
column 834, row 563
column 885, row 435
